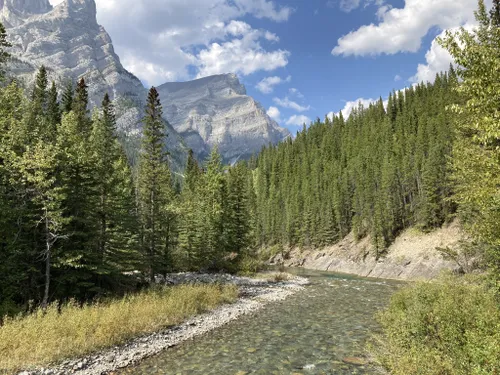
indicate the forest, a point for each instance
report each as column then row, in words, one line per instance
column 78, row 220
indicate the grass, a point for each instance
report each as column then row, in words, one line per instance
column 446, row 327
column 49, row 337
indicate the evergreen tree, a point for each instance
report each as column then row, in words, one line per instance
column 53, row 108
column 116, row 236
column 155, row 190
column 211, row 201
column 4, row 55
column 67, row 97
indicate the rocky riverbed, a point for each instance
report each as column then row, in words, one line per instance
column 254, row 295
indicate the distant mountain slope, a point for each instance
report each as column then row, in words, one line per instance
column 68, row 40
column 216, row 111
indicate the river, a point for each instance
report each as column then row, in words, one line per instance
column 317, row 331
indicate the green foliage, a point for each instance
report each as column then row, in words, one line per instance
column 155, row 190
column 448, row 327
column 476, row 153
column 376, row 173
column 4, row 55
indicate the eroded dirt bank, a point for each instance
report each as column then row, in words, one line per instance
column 412, row 256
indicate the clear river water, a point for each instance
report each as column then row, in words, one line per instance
column 319, row 330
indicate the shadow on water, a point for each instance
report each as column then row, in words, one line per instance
column 321, row 330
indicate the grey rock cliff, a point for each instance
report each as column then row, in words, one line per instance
column 215, row 111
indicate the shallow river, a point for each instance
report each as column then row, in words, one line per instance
column 313, row 332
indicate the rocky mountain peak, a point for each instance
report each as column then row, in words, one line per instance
column 14, row 12
column 27, row 6
column 82, row 9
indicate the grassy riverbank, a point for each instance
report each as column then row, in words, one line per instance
column 42, row 338
column 450, row 326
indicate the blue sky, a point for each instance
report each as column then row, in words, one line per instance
column 301, row 59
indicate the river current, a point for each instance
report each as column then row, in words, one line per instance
column 320, row 330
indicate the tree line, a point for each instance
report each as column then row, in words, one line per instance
column 381, row 170
column 76, row 219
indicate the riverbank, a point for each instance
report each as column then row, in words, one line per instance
column 254, row 294
column 412, row 256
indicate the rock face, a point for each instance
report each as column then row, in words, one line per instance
column 71, row 44
column 215, row 111
column 68, row 40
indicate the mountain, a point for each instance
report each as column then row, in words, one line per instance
column 68, row 40
column 215, row 111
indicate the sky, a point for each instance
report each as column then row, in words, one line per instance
column 301, row 59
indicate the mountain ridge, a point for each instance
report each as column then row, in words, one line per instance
column 203, row 113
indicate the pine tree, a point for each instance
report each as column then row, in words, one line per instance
column 53, row 108
column 212, row 195
column 116, row 237
column 80, row 106
column 67, row 97
column 189, row 246
column 4, row 55
column 155, row 190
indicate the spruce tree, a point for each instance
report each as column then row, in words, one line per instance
column 4, row 55
column 53, row 108
column 67, row 97
column 116, row 239
column 155, row 190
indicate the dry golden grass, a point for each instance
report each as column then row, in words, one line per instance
column 44, row 338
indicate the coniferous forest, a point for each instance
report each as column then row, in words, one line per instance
column 77, row 218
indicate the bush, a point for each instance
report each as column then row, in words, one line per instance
column 447, row 327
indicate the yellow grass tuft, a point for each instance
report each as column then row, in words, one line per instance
column 45, row 338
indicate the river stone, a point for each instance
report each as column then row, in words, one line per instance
column 354, row 361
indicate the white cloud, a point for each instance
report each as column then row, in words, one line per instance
column 349, row 5
column 242, row 56
column 437, row 60
column 350, row 105
column 274, row 113
column 298, row 120
column 161, row 40
column 287, row 103
column 294, row 92
column 266, row 86
column 402, row 29
column 397, row 78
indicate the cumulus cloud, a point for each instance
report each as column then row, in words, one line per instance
column 350, row 105
column 274, row 113
column 290, row 104
column 242, row 56
column 402, row 29
column 164, row 40
column 437, row 60
column 397, row 78
column 298, row 120
column 266, row 86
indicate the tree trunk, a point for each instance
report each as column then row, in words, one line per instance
column 48, row 245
